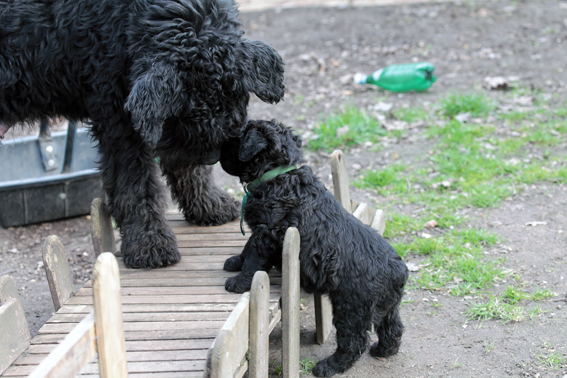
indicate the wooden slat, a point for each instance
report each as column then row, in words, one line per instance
column 140, row 346
column 171, row 374
column 108, row 314
column 212, row 237
column 211, row 243
column 231, row 344
column 170, row 355
column 51, row 328
column 148, row 317
column 101, row 228
column 69, row 357
column 137, row 308
column 379, row 222
column 259, row 325
column 160, row 290
column 180, row 282
column 361, row 213
column 290, row 304
column 57, row 270
column 179, row 334
column 14, row 331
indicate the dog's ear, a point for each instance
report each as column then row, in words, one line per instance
column 251, row 145
column 263, row 71
column 155, row 96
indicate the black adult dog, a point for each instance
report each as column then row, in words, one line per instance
column 167, row 78
column 339, row 255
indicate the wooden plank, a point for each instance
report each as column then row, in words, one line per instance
column 148, row 317
column 179, row 334
column 169, row 273
column 169, row 299
column 211, row 243
column 323, row 317
column 211, row 237
column 69, row 357
column 259, row 325
column 108, row 314
column 166, row 290
column 101, row 228
column 57, row 270
column 231, row 344
column 14, row 332
column 170, row 355
column 210, row 251
column 171, row 374
column 361, row 213
column 290, row 304
column 141, row 346
column 340, row 179
column 187, row 266
column 180, row 282
column 379, row 222
column 51, row 328
column 137, row 308
column 13, row 324
column 181, row 374
column 133, row 367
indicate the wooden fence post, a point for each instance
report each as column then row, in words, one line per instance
column 108, row 315
column 57, row 270
column 259, row 325
column 290, row 304
column 340, row 179
column 101, row 228
column 14, row 331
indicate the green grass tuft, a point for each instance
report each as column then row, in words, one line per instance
column 476, row 104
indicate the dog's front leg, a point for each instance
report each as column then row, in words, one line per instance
column 201, row 201
column 135, row 197
column 235, row 263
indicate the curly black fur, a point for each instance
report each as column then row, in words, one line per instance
column 154, row 77
column 339, row 255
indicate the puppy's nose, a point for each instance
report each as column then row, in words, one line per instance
column 212, row 158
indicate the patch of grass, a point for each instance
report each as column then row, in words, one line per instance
column 346, row 129
column 400, row 224
column 495, row 309
column 540, row 294
column 410, row 114
column 477, row 104
column 513, row 295
column 536, row 311
column 553, row 360
column 307, row 365
column 385, row 181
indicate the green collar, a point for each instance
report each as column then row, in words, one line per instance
column 265, row 177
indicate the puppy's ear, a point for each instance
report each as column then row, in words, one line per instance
column 155, row 96
column 263, row 71
column 253, row 143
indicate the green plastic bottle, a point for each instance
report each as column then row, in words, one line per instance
column 401, row 77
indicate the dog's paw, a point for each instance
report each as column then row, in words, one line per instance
column 148, row 251
column 325, row 368
column 237, row 284
column 234, row 263
column 381, row 350
column 216, row 212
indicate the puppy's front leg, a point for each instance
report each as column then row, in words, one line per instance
column 253, row 261
column 235, row 263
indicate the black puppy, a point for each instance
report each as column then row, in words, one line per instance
column 170, row 78
column 339, row 255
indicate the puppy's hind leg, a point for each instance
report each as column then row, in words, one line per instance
column 389, row 331
column 352, row 325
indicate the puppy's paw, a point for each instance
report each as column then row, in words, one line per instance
column 325, row 368
column 234, row 263
column 237, row 284
column 148, row 251
column 382, row 350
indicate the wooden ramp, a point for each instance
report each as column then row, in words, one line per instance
column 171, row 315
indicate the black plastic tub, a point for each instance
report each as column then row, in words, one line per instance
column 32, row 192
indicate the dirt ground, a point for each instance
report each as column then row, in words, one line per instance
column 322, row 48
